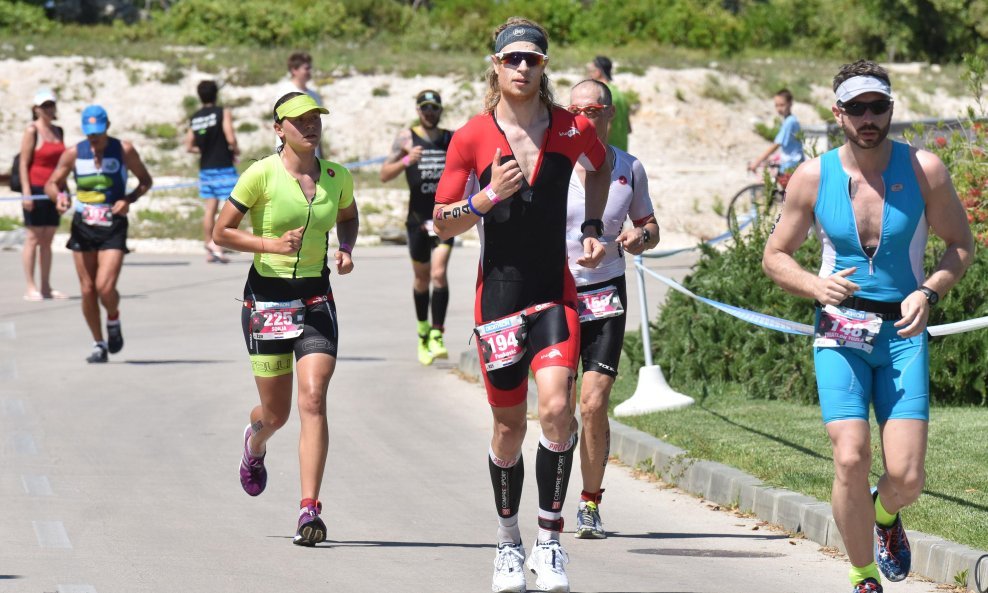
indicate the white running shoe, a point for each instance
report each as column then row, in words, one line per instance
column 509, row 570
column 548, row 562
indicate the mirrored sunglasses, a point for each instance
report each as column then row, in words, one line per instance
column 858, row 108
column 591, row 110
column 515, row 58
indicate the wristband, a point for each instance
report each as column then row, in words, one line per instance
column 346, row 248
column 472, row 209
column 596, row 223
column 406, row 161
column 492, row 195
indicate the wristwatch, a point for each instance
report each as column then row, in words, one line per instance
column 931, row 295
column 646, row 236
column 596, row 223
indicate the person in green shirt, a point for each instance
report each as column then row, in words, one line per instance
column 294, row 199
column 600, row 69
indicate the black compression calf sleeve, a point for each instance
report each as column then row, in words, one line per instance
column 507, row 483
column 440, row 302
column 421, row 305
column 553, row 464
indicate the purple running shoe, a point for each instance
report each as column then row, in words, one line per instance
column 311, row 529
column 253, row 476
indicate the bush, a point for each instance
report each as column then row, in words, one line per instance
column 697, row 344
column 23, row 18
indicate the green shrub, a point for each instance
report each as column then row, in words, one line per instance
column 23, row 18
column 768, row 132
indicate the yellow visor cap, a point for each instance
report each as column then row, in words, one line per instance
column 299, row 105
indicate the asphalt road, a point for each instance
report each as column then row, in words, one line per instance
column 123, row 477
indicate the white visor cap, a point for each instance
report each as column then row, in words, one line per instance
column 859, row 85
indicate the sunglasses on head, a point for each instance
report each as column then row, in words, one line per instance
column 858, row 108
column 515, row 58
column 591, row 110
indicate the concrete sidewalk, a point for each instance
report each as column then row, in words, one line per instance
column 122, row 477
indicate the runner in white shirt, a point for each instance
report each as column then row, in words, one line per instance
column 602, row 293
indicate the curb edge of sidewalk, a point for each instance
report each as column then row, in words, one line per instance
column 933, row 557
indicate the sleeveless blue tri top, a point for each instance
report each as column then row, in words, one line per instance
column 103, row 185
column 896, row 269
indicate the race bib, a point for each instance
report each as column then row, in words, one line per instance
column 97, row 215
column 599, row 304
column 840, row 326
column 503, row 341
column 277, row 320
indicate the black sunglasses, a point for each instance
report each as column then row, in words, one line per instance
column 515, row 58
column 858, row 108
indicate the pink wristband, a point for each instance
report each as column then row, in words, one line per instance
column 492, row 195
column 346, row 248
column 405, row 160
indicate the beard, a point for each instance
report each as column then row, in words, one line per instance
column 854, row 134
column 429, row 122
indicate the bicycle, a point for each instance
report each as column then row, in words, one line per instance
column 749, row 204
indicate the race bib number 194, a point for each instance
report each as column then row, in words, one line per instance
column 502, row 342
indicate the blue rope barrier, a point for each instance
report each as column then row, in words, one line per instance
column 188, row 184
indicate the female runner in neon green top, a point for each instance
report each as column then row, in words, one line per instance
column 294, row 200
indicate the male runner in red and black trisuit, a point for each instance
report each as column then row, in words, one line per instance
column 512, row 164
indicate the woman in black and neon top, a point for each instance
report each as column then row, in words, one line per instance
column 294, row 200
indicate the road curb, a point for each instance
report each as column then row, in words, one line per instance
column 933, row 557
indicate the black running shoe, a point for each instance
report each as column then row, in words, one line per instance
column 114, row 338
column 98, row 354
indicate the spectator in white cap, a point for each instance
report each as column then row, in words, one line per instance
column 41, row 146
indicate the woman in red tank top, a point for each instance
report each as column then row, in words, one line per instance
column 41, row 147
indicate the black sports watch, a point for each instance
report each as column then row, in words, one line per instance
column 931, row 295
column 646, row 236
column 596, row 223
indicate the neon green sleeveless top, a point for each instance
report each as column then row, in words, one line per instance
column 277, row 204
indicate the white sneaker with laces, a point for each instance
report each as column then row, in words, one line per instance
column 509, row 570
column 548, row 562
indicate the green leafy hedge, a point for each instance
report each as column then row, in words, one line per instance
column 935, row 30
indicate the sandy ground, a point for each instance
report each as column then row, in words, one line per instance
column 694, row 148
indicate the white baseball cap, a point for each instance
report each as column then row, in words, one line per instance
column 43, row 96
column 859, row 85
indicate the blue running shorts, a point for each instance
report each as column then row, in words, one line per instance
column 894, row 377
column 217, row 183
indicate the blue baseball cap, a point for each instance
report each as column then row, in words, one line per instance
column 94, row 120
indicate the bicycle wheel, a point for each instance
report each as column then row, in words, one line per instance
column 743, row 208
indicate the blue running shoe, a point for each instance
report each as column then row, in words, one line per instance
column 867, row 586
column 892, row 552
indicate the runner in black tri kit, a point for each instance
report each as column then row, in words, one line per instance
column 514, row 161
column 420, row 152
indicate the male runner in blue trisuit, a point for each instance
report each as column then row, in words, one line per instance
column 872, row 202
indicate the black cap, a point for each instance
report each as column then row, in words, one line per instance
column 428, row 97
